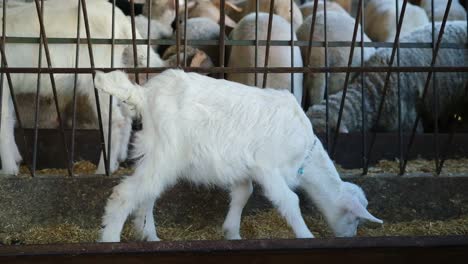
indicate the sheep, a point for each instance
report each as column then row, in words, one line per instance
column 60, row 18
column 210, row 9
column 307, row 8
column 281, row 8
column 450, row 90
column 202, row 28
column 280, row 56
column 380, row 23
column 217, row 132
column 340, row 27
column 457, row 11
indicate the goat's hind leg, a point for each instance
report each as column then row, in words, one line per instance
column 240, row 194
column 144, row 221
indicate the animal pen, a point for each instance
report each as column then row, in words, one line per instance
column 415, row 176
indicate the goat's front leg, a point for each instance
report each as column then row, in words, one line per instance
column 285, row 200
column 240, row 194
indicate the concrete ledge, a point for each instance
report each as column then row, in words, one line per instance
column 27, row 202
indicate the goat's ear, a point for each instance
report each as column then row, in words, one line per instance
column 358, row 210
column 201, row 59
column 343, row 129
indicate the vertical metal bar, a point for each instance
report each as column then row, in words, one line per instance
column 363, row 99
column 38, row 92
column 348, row 73
column 436, row 98
column 256, row 41
column 268, row 44
column 111, row 99
column 387, row 80
column 305, row 95
column 177, row 33
column 327, row 106
column 11, row 89
column 222, row 29
column 148, row 48
column 75, row 85
column 292, row 45
column 429, row 78
column 96, row 94
column 135, row 53
column 185, row 32
column 400, row 129
column 52, row 82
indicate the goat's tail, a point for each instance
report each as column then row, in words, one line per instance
column 117, row 84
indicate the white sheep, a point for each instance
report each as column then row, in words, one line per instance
column 281, row 8
column 457, row 11
column 217, row 132
column 380, row 19
column 210, row 9
column 280, row 56
column 307, row 8
column 60, row 19
column 340, row 27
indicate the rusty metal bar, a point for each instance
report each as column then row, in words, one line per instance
column 243, row 69
column 135, row 52
column 335, row 250
column 363, row 99
column 177, row 33
column 345, row 88
column 96, row 94
column 268, row 41
column 387, row 78
column 111, row 98
column 222, row 29
column 36, row 101
column 43, row 37
column 75, row 86
column 257, row 7
column 429, row 77
column 331, row 44
column 305, row 95
column 400, row 129
column 148, row 53
column 436, row 97
column 327, row 76
column 185, row 31
column 291, row 3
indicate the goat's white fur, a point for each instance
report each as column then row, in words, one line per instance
column 217, row 132
column 60, row 20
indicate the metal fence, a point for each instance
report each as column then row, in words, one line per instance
column 367, row 138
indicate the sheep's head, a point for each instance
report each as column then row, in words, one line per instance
column 195, row 57
column 350, row 211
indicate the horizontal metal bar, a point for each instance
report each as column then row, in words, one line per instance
column 26, row 70
column 32, row 40
column 335, row 250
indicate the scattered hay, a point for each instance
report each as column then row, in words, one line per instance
column 451, row 167
column 79, row 168
column 261, row 225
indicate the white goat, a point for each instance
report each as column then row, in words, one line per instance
column 280, row 56
column 340, row 27
column 457, row 11
column 380, row 23
column 60, row 20
column 212, row 131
